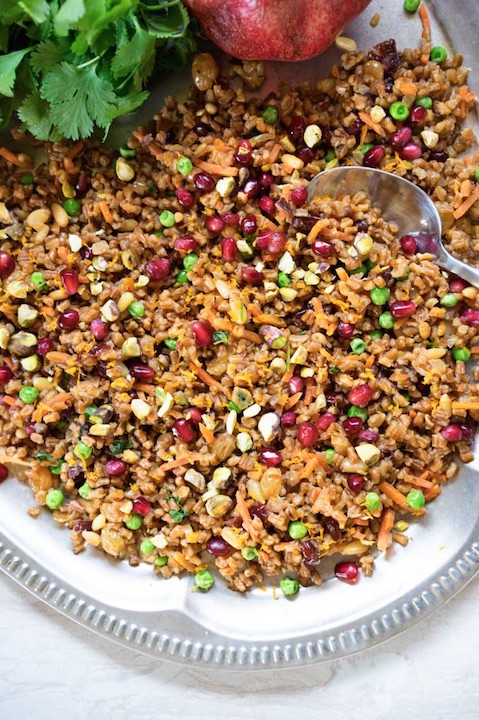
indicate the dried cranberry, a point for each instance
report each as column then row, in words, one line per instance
column 309, row 551
column 86, row 252
column 259, row 510
column 234, row 521
column 438, row 155
column 82, row 526
column 3, row 472
column 202, row 129
column 355, row 127
column 296, row 128
column 6, row 374
column 218, row 547
column 81, row 185
column 304, row 223
column 332, row 527
column 386, row 53
column 305, row 154
column 170, row 136
column 369, row 436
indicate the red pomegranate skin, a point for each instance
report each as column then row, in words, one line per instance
column 287, row 30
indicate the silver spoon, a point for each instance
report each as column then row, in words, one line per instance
column 401, row 202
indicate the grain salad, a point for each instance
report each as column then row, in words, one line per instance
column 202, row 369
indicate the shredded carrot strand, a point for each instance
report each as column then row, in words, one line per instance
column 13, row 158
column 405, row 86
column 367, row 120
column 423, row 14
column 397, row 497
column 207, row 434
column 245, row 516
column 62, row 253
column 468, row 203
column 60, row 358
column 309, row 468
column 214, row 169
column 432, row 492
column 384, row 534
column 7, row 400
column 106, row 212
column 266, row 319
column 293, row 400
column 308, row 396
column 207, row 378
column 275, row 151
column 188, row 459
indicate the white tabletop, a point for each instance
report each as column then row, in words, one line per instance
column 53, row 669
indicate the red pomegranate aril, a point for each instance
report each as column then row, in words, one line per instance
column 408, row 244
column 249, row 225
column 310, row 553
column 322, row 247
column 141, row 506
column 269, row 457
column 277, row 243
column 417, row 115
column 70, row 280
column 288, row 419
column 410, row 151
column 353, row 426
column 347, row 572
column 44, row 346
column 374, row 156
column 7, row 264
column 299, row 196
column 243, row 152
column 400, row 138
column 470, row 317
column 467, row 431
column 267, row 205
column 332, row 527
column 296, row 128
column 360, row 395
column 217, row 546
column 99, row 329
column 296, row 384
column 251, row 276
column 204, row 181
column 141, row 371
column 325, row 421
column 402, row 309
column 305, row 154
column 185, row 244
column 115, row 467
column 203, row 332
column 457, row 285
column 369, row 436
column 262, row 239
column 184, row 430
column 308, row 434
column 259, row 510
column 452, row 433
column 158, row 268
column 230, row 218
column 194, row 414
column 356, row 482
column 229, row 248
column 3, row 472
column 185, row 198
column 345, row 330
column 251, row 188
column 214, row 225
column 265, row 180
column 69, row 319
column 30, row 429
column 234, row 521
column 6, row 374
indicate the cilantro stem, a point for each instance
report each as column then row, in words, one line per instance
column 89, row 62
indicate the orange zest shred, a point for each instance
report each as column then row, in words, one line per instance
column 384, row 534
column 208, row 434
column 207, row 378
column 214, row 169
column 244, row 513
column 367, row 120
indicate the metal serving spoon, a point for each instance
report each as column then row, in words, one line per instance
column 401, row 202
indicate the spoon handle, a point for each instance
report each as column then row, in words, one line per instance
column 452, row 264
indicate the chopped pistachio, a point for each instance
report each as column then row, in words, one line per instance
column 4, row 338
column 363, row 244
column 243, row 246
column 75, row 242
column 218, row 505
column 288, row 293
column 287, row 144
column 306, row 372
column 268, row 425
column 100, row 429
column 125, row 300
column 225, row 186
column 312, row 135
column 196, row 479
column 26, row 315
column 159, row 541
column 130, row 456
column 242, row 398
column 5, row 217
column 368, row 453
column 129, row 259
column 221, row 478
column 110, row 311
column 377, row 114
column 278, row 365
column 140, row 408
column 166, row 405
column 430, row 138
column 31, row 363
column 17, row 289
column 142, row 281
column 286, row 263
column 244, row 442
column 131, row 348
column 310, row 278
column 123, row 170
column 96, row 288
column 299, row 356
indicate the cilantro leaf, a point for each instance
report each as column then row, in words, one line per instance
column 67, row 16
column 178, row 515
column 36, row 9
column 170, row 23
column 35, row 113
column 4, row 36
column 46, row 55
column 8, row 70
column 135, row 56
column 120, row 444
column 221, row 337
column 127, row 104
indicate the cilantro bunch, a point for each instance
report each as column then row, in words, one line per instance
column 68, row 66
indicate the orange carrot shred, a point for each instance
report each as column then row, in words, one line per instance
column 188, row 459
column 214, row 169
column 308, row 396
column 293, row 400
column 246, row 517
column 397, row 497
column 13, row 158
column 106, row 212
column 468, row 203
column 207, row 378
column 367, row 120
column 208, row 434
column 384, row 534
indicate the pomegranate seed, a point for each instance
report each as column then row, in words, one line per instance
column 115, row 467
column 402, row 308
column 141, row 506
column 230, row 218
column 296, row 128
column 265, row 180
column 323, row 248
column 345, row 330
column 69, row 319
column 310, row 554
column 417, row 115
column 438, row 155
column 7, row 264
column 467, row 432
column 332, row 527
column 44, row 346
column 305, row 154
column 296, row 384
column 141, row 371
column 277, row 243
column 214, row 225
column 355, row 127
column 251, row 188
column 6, row 374
column 249, row 225
column 374, row 156
column 185, row 244
column 184, row 430
column 353, row 425
column 400, row 138
column 82, row 525
column 194, row 414
column 267, row 205
column 30, row 429
column 70, row 280
column 217, row 546
column 259, row 510
column 86, row 253
column 262, row 239
column 158, row 268
column 370, row 436
column 185, row 198
column 360, row 395
column 410, row 151
column 251, row 276
column 204, row 181
column 81, row 185
column 308, row 434
column 234, row 521
column 288, row 419
column 243, row 152
column 452, row 433
column 408, row 244
column 356, row 483
column 229, row 248
column 325, row 421
column 99, row 329
column 457, row 285
column 203, row 332
column 470, row 317
column 269, row 457
column 347, row 572
column 299, row 196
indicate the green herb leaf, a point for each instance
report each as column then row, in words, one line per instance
column 178, row 515
column 43, row 455
column 120, row 444
column 34, row 112
column 8, row 70
column 38, row 10
column 47, row 54
column 221, row 337
column 68, row 14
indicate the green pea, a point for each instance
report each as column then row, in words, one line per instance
column 136, row 309
column 355, row 411
column 399, row 111
column 365, row 148
column 161, row 560
column 379, row 295
column 376, row 334
column 289, row 586
column 171, row 343
column 167, row 218
column 54, row 498
column 91, row 410
column 82, row 450
column 461, row 353
column 438, row 54
column 72, row 206
column 386, row 320
column 147, row 547
column 371, row 501
column 270, row 115
column 190, row 261
column 283, row 279
column 249, row 553
column 182, row 277
column 330, row 155
column 84, row 491
column 127, row 152
column 38, row 280
column 415, row 499
column 361, row 269
column 425, row 102
column 449, row 300
column 26, row 179
column 184, row 165
column 411, row 6
column 330, row 453
column 476, row 175
column 134, row 522
column 358, row 346
column 297, row 529
column 204, row 580
column 28, row 394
